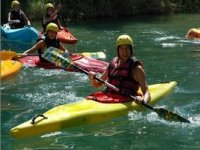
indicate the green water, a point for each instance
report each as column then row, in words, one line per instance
column 159, row 42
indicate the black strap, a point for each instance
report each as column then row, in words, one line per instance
column 36, row 116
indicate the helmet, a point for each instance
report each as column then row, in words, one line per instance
column 49, row 5
column 14, row 3
column 52, row 27
column 123, row 40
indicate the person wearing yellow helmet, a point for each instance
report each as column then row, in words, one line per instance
column 16, row 17
column 126, row 73
column 51, row 16
column 48, row 40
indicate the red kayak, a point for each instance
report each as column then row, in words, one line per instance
column 64, row 36
column 84, row 62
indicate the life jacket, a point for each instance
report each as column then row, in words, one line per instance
column 49, row 43
column 122, row 78
column 44, row 25
column 17, row 16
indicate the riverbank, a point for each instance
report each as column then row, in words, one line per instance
column 76, row 10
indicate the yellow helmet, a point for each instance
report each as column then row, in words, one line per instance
column 14, row 3
column 49, row 5
column 124, row 40
column 52, row 27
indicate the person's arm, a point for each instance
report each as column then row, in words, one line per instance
column 53, row 16
column 9, row 17
column 26, row 18
column 96, row 83
column 40, row 45
column 139, row 75
column 60, row 27
column 64, row 49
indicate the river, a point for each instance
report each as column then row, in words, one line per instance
column 167, row 56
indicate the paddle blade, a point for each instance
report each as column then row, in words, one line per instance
column 168, row 115
column 57, row 57
column 96, row 55
column 7, row 55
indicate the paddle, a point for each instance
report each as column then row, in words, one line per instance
column 8, row 55
column 96, row 55
column 63, row 60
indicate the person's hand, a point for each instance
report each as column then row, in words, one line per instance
column 17, row 21
column 92, row 78
column 65, row 29
column 14, row 21
column 91, row 75
column 24, row 54
column 19, row 56
column 28, row 25
column 67, row 53
column 58, row 8
column 139, row 100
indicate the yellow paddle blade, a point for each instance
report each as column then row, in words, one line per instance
column 7, row 55
column 96, row 55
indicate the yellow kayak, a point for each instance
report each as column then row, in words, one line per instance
column 84, row 112
column 9, row 68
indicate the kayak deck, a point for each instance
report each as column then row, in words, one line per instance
column 85, row 112
column 25, row 34
column 9, row 68
column 66, row 37
column 85, row 62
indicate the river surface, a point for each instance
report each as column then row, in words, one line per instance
column 167, row 56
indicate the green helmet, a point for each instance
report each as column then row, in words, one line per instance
column 49, row 5
column 14, row 3
column 124, row 40
column 52, row 27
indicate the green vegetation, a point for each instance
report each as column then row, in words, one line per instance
column 73, row 10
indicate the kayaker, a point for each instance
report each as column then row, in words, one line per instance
column 126, row 73
column 16, row 17
column 193, row 33
column 48, row 40
column 51, row 16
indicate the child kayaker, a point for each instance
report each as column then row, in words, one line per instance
column 48, row 40
column 51, row 16
column 16, row 17
column 126, row 73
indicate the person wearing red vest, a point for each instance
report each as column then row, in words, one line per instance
column 124, row 72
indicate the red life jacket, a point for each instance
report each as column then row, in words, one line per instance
column 121, row 77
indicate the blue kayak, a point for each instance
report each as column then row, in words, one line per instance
column 25, row 34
